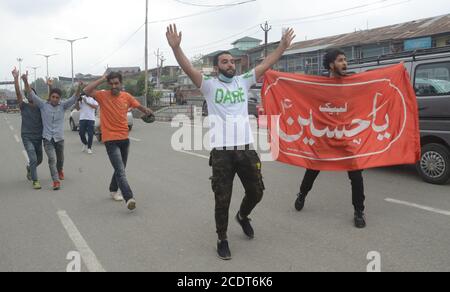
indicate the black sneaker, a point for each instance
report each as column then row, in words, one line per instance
column 300, row 202
column 360, row 220
column 246, row 226
column 223, row 250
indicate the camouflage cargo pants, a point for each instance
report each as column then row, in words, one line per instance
column 225, row 165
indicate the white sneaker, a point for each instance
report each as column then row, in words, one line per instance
column 116, row 196
column 90, row 151
column 84, row 148
column 131, row 204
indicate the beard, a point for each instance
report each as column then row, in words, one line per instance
column 341, row 72
column 115, row 91
column 228, row 73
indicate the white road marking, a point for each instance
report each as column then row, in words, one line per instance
column 135, row 139
column 413, row 205
column 17, row 138
column 25, row 154
column 88, row 256
column 11, row 128
column 193, row 154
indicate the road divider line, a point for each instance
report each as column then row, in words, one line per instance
column 193, row 154
column 135, row 139
column 17, row 138
column 25, row 154
column 88, row 256
column 413, row 205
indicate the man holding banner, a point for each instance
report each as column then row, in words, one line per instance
column 336, row 62
column 342, row 123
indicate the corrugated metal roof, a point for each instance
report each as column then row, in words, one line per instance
column 408, row 30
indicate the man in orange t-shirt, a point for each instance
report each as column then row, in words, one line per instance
column 114, row 106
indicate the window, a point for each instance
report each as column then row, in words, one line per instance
column 432, row 79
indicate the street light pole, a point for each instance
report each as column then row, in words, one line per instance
column 71, row 52
column 34, row 69
column 47, row 57
column 20, row 60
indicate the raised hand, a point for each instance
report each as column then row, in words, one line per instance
column 15, row 73
column 173, row 37
column 50, row 82
column 287, row 38
column 79, row 88
column 25, row 77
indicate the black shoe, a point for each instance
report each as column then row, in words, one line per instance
column 246, row 227
column 360, row 220
column 300, row 202
column 223, row 250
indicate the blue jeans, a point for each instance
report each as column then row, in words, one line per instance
column 118, row 155
column 87, row 126
column 55, row 154
column 33, row 147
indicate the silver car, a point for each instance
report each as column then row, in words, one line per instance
column 74, row 122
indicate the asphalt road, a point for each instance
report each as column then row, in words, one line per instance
column 173, row 228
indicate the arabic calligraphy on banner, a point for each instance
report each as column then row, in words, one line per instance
column 361, row 121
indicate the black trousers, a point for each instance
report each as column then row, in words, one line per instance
column 357, row 182
column 225, row 165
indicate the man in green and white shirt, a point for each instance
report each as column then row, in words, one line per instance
column 231, row 135
column 228, row 107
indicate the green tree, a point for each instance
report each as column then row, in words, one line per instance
column 42, row 89
column 197, row 61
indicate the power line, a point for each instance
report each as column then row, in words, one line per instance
column 333, row 12
column 188, row 16
column 305, row 20
column 346, row 15
column 252, row 28
column 154, row 22
column 218, row 5
column 119, row 48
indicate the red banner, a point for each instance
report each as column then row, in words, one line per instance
column 361, row 121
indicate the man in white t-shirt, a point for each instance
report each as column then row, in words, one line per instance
column 231, row 135
column 87, row 107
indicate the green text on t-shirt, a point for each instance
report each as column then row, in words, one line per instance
column 229, row 97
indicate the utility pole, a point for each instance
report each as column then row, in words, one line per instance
column 20, row 60
column 48, row 76
column 146, row 54
column 266, row 28
column 159, row 60
column 161, row 65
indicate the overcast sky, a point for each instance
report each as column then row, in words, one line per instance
column 28, row 27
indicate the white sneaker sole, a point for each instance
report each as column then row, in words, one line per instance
column 117, row 198
column 131, row 205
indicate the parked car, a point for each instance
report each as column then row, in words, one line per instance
column 74, row 122
column 430, row 75
column 3, row 107
column 12, row 106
